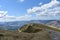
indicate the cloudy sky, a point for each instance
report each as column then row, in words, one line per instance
column 22, row 10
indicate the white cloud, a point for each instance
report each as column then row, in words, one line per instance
column 50, row 9
column 40, row 3
column 3, row 13
column 25, row 17
column 4, row 17
column 15, row 18
column 21, row 0
column 42, row 12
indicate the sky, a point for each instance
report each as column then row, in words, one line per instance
column 25, row 10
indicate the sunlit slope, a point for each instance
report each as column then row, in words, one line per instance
column 33, row 27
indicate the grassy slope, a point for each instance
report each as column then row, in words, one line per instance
column 8, row 35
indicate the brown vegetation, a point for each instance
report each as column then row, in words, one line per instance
column 28, row 32
column 7, row 35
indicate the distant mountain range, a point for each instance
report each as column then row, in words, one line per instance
column 55, row 23
column 17, row 24
column 54, row 34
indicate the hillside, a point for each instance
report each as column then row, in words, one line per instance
column 26, row 34
column 33, row 31
column 7, row 35
column 54, row 23
column 54, row 34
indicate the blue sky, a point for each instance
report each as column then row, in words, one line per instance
column 15, row 10
column 17, row 7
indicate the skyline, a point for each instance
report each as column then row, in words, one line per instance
column 23, row 10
